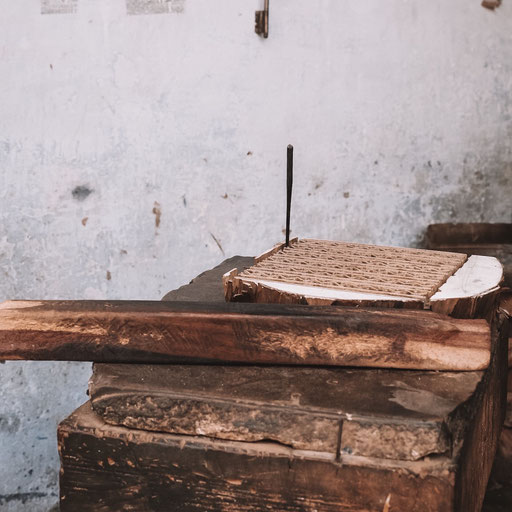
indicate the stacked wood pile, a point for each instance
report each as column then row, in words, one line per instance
column 293, row 439
column 295, row 406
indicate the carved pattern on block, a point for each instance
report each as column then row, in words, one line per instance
column 394, row 271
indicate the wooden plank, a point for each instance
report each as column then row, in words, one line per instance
column 108, row 469
column 380, row 413
column 475, row 238
column 450, row 235
column 483, row 424
column 169, row 332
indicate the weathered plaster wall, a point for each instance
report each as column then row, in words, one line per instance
column 138, row 150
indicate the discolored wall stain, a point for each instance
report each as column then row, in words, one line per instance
column 81, row 192
column 132, row 6
column 154, row 6
column 157, row 212
column 58, row 6
column 21, row 497
column 9, row 423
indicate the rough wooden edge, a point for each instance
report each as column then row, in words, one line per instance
column 475, row 466
column 327, row 295
column 123, row 396
column 278, row 247
column 253, row 476
column 478, row 276
column 264, row 292
column 178, row 332
column 480, row 301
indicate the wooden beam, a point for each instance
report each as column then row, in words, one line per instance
column 170, row 332
column 448, row 235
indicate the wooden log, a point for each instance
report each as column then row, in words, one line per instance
column 472, row 292
column 484, row 426
column 170, row 332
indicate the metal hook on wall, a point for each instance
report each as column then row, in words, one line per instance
column 261, row 27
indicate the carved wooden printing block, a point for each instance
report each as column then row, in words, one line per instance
column 330, row 272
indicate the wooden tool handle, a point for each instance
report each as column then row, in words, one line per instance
column 176, row 332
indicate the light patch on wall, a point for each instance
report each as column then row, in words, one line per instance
column 58, row 6
column 154, row 6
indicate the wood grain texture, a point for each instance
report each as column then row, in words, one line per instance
column 166, row 332
column 109, row 469
column 380, row 413
column 505, row 304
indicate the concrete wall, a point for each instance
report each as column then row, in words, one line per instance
column 144, row 141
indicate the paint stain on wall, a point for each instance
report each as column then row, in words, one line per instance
column 81, row 192
column 154, row 6
column 491, row 4
column 157, row 212
column 58, row 6
column 84, row 221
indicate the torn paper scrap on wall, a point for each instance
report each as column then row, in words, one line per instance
column 154, row 6
column 58, row 6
